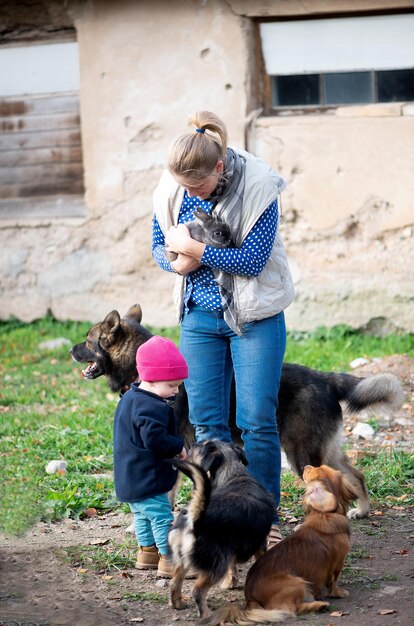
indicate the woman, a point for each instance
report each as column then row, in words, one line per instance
column 230, row 300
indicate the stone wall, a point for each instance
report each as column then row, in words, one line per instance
column 145, row 67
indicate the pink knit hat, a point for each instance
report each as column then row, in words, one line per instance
column 160, row 359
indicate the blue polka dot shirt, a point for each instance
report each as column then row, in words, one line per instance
column 248, row 260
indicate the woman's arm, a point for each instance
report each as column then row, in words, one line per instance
column 248, row 260
column 158, row 247
column 182, row 265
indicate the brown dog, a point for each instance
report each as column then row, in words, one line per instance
column 286, row 580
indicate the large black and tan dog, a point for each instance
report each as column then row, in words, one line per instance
column 226, row 522
column 309, row 414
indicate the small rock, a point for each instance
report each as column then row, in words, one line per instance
column 358, row 362
column 162, row 583
column 71, row 524
column 363, row 430
column 52, row 344
column 407, row 233
column 403, row 421
column 43, row 528
column 390, row 590
column 130, row 530
column 53, row 467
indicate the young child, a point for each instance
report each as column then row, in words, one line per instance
column 145, row 436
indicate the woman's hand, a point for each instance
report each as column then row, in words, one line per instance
column 178, row 239
column 185, row 264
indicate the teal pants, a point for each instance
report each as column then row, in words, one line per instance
column 152, row 521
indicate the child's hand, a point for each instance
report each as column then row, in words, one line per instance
column 183, row 455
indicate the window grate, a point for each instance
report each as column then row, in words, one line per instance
column 342, row 88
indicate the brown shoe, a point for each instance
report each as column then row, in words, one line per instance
column 274, row 537
column 165, row 567
column 148, row 558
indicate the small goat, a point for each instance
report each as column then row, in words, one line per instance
column 207, row 229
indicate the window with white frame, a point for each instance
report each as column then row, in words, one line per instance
column 340, row 61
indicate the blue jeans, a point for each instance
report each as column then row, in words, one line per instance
column 152, row 521
column 214, row 353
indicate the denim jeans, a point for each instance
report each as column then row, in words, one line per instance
column 152, row 521
column 213, row 353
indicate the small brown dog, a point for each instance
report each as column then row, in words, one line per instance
column 286, row 580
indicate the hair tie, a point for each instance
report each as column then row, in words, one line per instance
column 200, row 130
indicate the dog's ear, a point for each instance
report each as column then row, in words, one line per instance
column 134, row 313
column 213, row 459
column 111, row 322
column 240, row 453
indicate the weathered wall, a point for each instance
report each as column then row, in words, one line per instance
column 348, row 212
column 145, row 67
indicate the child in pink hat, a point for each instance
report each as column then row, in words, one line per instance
column 145, row 439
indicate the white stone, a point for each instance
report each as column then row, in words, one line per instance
column 56, row 466
column 363, row 430
column 407, row 232
column 358, row 362
column 51, row 344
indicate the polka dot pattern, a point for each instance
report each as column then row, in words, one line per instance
column 248, row 260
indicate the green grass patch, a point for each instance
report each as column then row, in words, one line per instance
column 103, row 559
column 48, row 412
column 146, row 596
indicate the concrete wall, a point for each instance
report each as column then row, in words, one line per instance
column 348, row 212
column 144, row 68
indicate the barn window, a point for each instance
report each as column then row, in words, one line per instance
column 339, row 61
column 41, row 169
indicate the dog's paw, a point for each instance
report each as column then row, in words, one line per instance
column 178, row 604
column 337, row 592
column 357, row 514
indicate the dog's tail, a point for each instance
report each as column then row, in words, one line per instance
column 202, row 488
column 360, row 393
column 232, row 614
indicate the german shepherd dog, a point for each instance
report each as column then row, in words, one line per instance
column 285, row 581
column 226, row 522
column 309, row 414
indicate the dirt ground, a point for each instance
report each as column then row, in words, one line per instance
column 38, row 586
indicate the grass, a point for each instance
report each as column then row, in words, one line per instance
column 103, row 559
column 146, row 596
column 48, row 412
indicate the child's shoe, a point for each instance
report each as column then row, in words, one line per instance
column 148, row 558
column 165, row 567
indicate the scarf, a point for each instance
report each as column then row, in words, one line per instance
column 229, row 197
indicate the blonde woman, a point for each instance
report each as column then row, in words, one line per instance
column 230, row 301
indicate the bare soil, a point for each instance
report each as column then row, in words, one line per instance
column 39, row 586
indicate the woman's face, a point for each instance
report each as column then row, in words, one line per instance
column 205, row 186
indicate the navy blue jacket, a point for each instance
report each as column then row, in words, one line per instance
column 145, row 435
